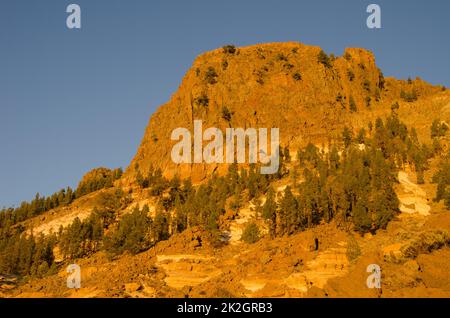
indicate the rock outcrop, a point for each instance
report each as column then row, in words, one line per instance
column 281, row 85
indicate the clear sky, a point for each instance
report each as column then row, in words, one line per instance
column 72, row 100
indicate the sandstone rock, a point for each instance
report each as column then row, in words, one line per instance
column 7, row 286
column 310, row 242
column 297, row 262
column 392, row 253
column 411, row 266
column 435, row 269
column 195, row 243
column 406, row 275
column 265, row 259
column 149, row 291
column 132, row 287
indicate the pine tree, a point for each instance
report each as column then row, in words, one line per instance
column 180, row 216
column 361, row 218
column 395, row 107
column 233, row 176
column 442, row 178
column 140, row 180
column 251, row 233
column 361, row 136
column 352, row 104
column 447, row 199
column 334, row 159
column 436, row 146
column 131, row 234
column 270, row 206
column 324, row 59
column 347, row 137
column 420, row 176
column 290, row 219
column 161, row 226
column 438, row 129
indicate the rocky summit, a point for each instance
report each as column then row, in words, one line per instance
column 282, row 85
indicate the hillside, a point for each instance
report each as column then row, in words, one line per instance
column 364, row 179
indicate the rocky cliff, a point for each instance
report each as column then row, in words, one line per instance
column 308, row 95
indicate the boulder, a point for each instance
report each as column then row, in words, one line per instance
column 132, row 287
column 7, row 286
column 392, row 253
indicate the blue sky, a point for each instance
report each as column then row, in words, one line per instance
column 72, row 100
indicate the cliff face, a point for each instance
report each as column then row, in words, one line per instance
column 290, row 86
